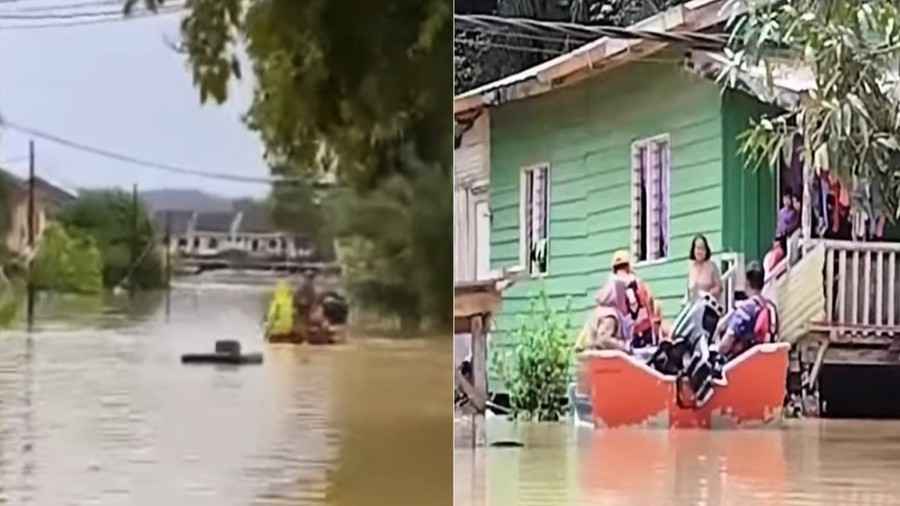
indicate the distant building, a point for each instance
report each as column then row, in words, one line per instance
column 49, row 198
column 248, row 231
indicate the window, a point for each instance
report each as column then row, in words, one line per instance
column 650, row 168
column 535, row 224
column 213, row 243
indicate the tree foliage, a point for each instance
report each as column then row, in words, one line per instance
column 365, row 82
column 298, row 208
column 67, row 262
column 396, row 236
column 853, row 115
column 108, row 216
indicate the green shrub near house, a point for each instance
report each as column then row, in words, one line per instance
column 536, row 370
column 68, row 261
column 111, row 219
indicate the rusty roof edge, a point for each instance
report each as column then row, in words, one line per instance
column 697, row 15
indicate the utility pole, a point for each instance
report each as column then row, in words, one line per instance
column 134, row 236
column 168, row 249
column 31, row 233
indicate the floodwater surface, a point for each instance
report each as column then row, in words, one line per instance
column 96, row 408
column 808, row 462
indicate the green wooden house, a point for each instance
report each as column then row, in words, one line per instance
column 619, row 145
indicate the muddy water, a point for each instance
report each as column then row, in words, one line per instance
column 97, row 409
column 806, row 463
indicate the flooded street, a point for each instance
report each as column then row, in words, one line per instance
column 97, row 409
column 807, row 463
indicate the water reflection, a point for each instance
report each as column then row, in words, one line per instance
column 807, row 463
column 97, row 409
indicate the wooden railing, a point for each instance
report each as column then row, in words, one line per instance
column 861, row 286
column 733, row 265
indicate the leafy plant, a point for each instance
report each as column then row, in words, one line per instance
column 108, row 216
column 852, row 115
column 536, row 371
column 67, row 263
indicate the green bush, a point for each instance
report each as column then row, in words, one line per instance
column 67, row 262
column 109, row 216
column 536, row 370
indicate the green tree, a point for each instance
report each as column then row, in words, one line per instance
column 403, row 226
column 297, row 207
column 67, row 262
column 108, row 216
column 364, row 80
column 852, row 115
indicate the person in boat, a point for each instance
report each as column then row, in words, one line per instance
column 280, row 318
column 753, row 320
column 608, row 327
column 642, row 309
column 703, row 275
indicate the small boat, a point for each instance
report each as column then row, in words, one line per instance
column 618, row 390
column 314, row 336
column 226, row 352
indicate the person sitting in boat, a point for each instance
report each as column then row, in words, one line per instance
column 608, row 327
column 280, row 318
column 642, row 309
column 753, row 320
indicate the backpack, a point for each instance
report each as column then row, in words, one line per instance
column 765, row 328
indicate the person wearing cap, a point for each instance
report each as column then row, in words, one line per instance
column 644, row 312
column 608, row 326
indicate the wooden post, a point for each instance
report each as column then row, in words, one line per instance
column 479, row 374
column 134, row 236
column 168, row 249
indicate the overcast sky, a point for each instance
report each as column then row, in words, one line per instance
column 119, row 87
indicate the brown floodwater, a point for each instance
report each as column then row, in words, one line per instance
column 96, row 408
column 808, row 462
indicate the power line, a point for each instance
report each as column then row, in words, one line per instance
column 63, row 6
column 66, row 15
column 140, row 162
column 698, row 40
column 511, row 47
column 100, row 21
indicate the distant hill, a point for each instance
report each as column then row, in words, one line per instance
column 185, row 200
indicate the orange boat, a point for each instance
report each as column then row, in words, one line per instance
column 617, row 390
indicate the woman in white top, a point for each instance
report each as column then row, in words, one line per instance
column 703, row 274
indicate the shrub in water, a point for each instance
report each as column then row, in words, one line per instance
column 536, row 370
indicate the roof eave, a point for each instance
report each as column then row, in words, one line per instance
column 597, row 56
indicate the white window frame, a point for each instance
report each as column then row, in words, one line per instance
column 666, row 181
column 524, row 247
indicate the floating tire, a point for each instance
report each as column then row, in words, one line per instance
column 230, row 347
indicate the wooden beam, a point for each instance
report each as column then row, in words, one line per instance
column 867, row 287
column 879, row 289
column 842, row 287
column 829, row 284
column 469, row 305
column 860, row 356
column 854, row 307
column 479, row 357
column 891, row 296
